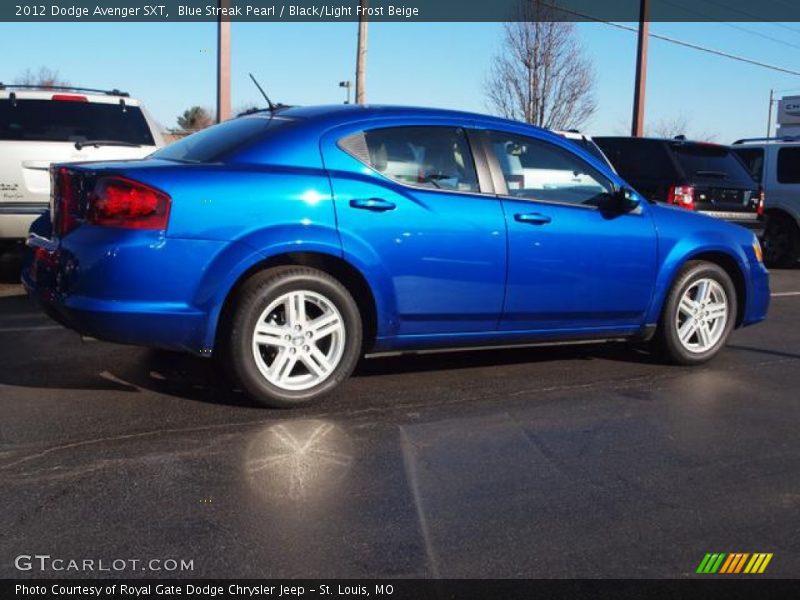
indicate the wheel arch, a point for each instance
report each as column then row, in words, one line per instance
column 731, row 266
column 783, row 211
column 724, row 259
column 348, row 275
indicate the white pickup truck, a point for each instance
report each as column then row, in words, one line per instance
column 43, row 125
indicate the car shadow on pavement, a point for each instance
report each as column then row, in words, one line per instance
column 200, row 379
column 777, row 353
column 44, row 356
column 495, row 357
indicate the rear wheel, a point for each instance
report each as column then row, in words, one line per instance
column 294, row 336
column 781, row 241
column 699, row 314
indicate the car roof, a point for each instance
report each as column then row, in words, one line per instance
column 571, row 134
column 769, row 142
column 659, row 139
column 345, row 113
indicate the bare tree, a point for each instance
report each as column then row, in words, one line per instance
column 541, row 75
column 670, row 127
column 246, row 107
column 44, row 77
column 195, row 118
column 679, row 125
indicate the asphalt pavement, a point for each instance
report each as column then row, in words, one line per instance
column 568, row 461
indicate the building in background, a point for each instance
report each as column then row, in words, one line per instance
column 788, row 120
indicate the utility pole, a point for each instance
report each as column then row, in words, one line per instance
column 223, row 65
column 361, row 55
column 769, row 114
column 637, row 125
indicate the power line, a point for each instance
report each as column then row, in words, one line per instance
column 694, row 46
column 683, row 43
column 753, row 15
column 731, row 25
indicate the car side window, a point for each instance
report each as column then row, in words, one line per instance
column 789, row 165
column 542, row 171
column 431, row 157
column 753, row 159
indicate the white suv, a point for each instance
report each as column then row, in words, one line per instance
column 42, row 125
column 587, row 143
column 775, row 164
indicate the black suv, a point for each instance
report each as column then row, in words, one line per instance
column 707, row 178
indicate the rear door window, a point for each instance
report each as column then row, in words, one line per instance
column 72, row 121
column 789, row 165
column 423, row 156
column 753, row 159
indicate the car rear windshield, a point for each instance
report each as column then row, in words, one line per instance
column 637, row 158
column 216, row 143
column 709, row 162
column 72, row 121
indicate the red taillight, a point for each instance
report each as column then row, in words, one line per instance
column 681, row 195
column 121, row 202
column 67, row 200
column 69, row 98
column 760, row 206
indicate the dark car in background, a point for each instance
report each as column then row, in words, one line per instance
column 699, row 176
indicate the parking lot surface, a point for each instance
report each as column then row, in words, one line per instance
column 568, row 461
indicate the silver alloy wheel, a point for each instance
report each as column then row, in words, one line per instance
column 298, row 340
column 702, row 315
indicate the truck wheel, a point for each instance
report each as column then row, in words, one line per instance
column 294, row 335
column 781, row 241
column 698, row 315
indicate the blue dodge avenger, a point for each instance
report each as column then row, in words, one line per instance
column 290, row 242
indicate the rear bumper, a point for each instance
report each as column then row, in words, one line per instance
column 138, row 290
column 16, row 218
column 173, row 327
column 747, row 220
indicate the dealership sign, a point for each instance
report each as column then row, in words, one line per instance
column 789, row 110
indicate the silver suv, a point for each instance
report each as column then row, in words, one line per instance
column 775, row 164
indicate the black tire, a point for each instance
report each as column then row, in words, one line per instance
column 781, row 241
column 254, row 297
column 667, row 340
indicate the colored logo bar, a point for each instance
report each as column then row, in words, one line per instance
column 734, row 563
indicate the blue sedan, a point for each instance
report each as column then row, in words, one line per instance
column 290, row 242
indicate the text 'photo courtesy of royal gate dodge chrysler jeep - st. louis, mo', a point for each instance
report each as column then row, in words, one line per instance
column 288, row 243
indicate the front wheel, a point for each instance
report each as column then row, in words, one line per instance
column 699, row 314
column 294, row 335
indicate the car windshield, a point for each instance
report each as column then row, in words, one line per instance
column 217, row 142
column 711, row 162
column 65, row 121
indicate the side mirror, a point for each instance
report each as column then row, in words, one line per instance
column 624, row 199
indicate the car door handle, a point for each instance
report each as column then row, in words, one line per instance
column 532, row 218
column 373, row 204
